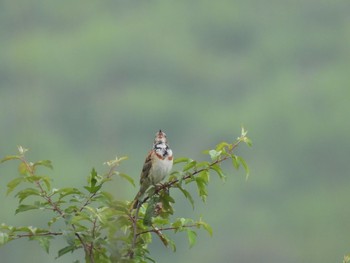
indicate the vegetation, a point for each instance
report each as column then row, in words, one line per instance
column 108, row 230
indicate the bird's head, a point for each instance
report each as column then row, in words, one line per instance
column 160, row 138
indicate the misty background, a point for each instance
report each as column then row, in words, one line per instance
column 84, row 81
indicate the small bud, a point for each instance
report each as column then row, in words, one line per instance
column 22, row 150
column 116, row 161
column 243, row 132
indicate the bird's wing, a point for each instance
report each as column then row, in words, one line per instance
column 146, row 168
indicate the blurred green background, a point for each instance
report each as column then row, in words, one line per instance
column 83, row 81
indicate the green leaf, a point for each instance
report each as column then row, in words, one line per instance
column 181, row 160
column 96, row 188
column 92, row 181
column 53, row 220
column 202, row 164
column 189, row 165
column 23, row 168
column 235, row 162
column 187, row 195
column 23, row 194
column 178, row 224
column 166, row 200
column 245, row 166
column 127, row 177
column 92, row 178
column 104, row 198
column 67, row 191
column 221, row 146
column 150, row 259
column 65, row 250
column 165, row 196
column 6, row 227
column 160, row 221
column 219, row 171
column 13, row 184
column 189, row 179
column 69, row 236
column 93, row 189
column 36, row 178
column 79, row 218
column 214, row 155
column 44, row 242
column 120, row 206
column 100, row 213
column 26, row 229
column 206, row 226
column 47, row 182
column 204, row 175
column 10, row 157
column 172, row 245
column 248, row 141
column 23, row 208
column 202, row 189
column 46, row 163
column 4, row 238
column 192, row 237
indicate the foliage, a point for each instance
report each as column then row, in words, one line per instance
column 108, row 230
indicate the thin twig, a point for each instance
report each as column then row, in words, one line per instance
column 93, row 234
column 38, row 234
column 165, row 229
column 87, row 202
column 111, row 171
column 85, row 246
column 134, row 226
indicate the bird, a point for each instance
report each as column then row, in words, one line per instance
column 156, row 167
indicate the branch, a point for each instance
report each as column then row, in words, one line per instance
column 157, row 230
column 38, row 235
column 88, row 201
column 134, row 227
column 167, row 186
column 57, row 209
column 171, row 184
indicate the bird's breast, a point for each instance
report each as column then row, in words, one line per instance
column 160, row 169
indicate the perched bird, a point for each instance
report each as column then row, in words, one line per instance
column 157, row 166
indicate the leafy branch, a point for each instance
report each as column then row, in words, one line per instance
column 192, row 172
column 103, row 227
column 222, row 152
